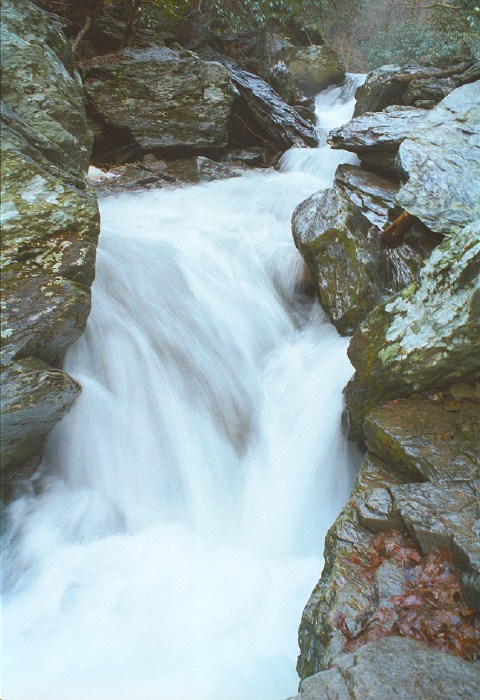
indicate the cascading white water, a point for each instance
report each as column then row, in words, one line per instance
column 173, row 533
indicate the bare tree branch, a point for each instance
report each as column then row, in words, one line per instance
column 81, row 34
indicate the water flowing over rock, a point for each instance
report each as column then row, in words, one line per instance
column 376, row 136
column 50, row 225
column 153, row 174
column 424, row 337
column 164, row 99
column 178, row 472
column 441, row 161
column 391, row 669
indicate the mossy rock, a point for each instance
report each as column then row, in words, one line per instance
column 344, row 256
column 426, row 336
column 50, row 225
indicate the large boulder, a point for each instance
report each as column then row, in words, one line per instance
column 337, row 232
column 50, row 226
column 163, row 99
column 411, row 85
column 264, row 109
column 314, row 67
column 426, row 336
column 394, row 669
column 441, row 161
column 376, row 136
column 344, row 255
column 375, row 196
column 283, row 83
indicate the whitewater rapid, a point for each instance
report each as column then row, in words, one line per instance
column 172, row 535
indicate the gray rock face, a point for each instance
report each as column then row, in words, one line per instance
column 427, row 336
column 402, row 85
column 283, row 83
column 376, row 136
column 343, row 589
column 50, row 225
column 373, row 194
column 165, row 98
column 344, row 256
column 34, row 398
column 441, row 161
column 380, row 90
column 338, row 234
column 427, row 92
column 280, row 122
column 394, row 669
column 313, row 68
column 445, row 514
column 427, row 439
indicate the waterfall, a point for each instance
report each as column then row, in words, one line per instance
column 174, row 531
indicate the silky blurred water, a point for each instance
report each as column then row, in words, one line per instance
column 174, row 531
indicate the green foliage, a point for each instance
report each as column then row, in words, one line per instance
column 236, row 16
column 432, row 38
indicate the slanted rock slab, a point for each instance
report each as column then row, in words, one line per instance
column 427, row 438
column 376, row 136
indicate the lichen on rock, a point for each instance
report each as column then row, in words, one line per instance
column 50, row 225
column 426, row 336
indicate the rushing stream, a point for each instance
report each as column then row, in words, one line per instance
column 174, row 532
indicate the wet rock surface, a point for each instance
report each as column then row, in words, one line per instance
column 373, row 194
column 441, row 161
column 50, row 226
column 376, row 137
column 402, row 559
column 343, row 254
column 338, row 233
column 34, row 397
column 426, row 336
column 417, row 86
column 269, row 113
column 428, row 438
column 283, row 83
column 393, row 669
column 166, row 99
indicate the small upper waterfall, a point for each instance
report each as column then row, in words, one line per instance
column 172, row 535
